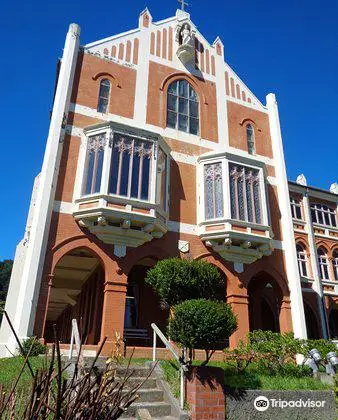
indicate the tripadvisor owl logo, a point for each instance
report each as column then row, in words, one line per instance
column 261, row 403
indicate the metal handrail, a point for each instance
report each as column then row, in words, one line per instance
column 75, row 336
column 181, row 360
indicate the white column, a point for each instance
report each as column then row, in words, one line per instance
column 317, row 285
column 22, row 313
column 290, row 256
column 142, row 75
column 222, row 111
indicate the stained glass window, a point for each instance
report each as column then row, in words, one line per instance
column 213, row 187
column 182, row 107
column 130, row 170
column 104, row 92
column 245, row 193
column 94, row 159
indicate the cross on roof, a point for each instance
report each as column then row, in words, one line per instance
column 183, row 3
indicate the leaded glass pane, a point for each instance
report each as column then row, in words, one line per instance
column 213, row 188
column 171, row 120
column 245, row 193
column 172, row 103
column 183, row 88
column 182, row 122
column 95, row 154
column 183, row 106
column 173, row 88
column 130, row 167
column 193, row 109
column 193, row 125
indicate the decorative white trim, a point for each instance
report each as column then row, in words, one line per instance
column 291, row 263
column 22, row 312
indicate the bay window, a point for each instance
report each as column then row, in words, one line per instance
column 133, row 167
column 245, row 193
column 233, row 214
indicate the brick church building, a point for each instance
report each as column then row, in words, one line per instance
column 156, row 148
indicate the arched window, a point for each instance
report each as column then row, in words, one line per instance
column 335, row 264
column 250, row 136
column 302, row 260
column 104, row 92
column 182, row 108
column 323, row 264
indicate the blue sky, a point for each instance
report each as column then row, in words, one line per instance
column 289, row 48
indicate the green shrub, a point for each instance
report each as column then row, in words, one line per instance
column 274, row 350
column 323, row 346
column 32, row 346
column 201, row 324
column 176, row 280
column 242, row 356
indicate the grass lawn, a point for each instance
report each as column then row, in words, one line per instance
column 10, row 369
column 250, row 379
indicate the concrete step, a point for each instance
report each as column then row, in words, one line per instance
column 156, row 409
column 150, row 383
column 150, row 395
column 139, row 371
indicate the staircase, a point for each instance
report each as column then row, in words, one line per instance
column 151, row 396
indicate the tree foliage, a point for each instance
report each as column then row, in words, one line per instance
column 176, row 280
column 201, row 324
column 5, row 275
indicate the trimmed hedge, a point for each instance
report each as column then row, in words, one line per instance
column 176, row 280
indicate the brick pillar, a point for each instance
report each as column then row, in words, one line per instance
column 240, row 307
column 113, row 311
column 285, row 319
column 205, row 393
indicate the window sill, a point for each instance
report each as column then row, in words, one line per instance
column 237, row 241
column 120, row 222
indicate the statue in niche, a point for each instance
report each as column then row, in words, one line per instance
column 186, row 39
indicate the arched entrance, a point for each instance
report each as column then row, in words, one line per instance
column 311, row 322
column 76, row 293
column 265, row 298
column 143, row 307
column 333, row 322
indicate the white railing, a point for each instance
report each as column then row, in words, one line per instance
column 181, row 360
column 75, row 337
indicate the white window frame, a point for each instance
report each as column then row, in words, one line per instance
column 323, row 261
column 294, row 203
column 226, row 161
column 331, row 212
column 302, row 258
column 104, row 188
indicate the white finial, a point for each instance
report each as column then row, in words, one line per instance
column 301, row 180
column 334, row 188
column 183, row 4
